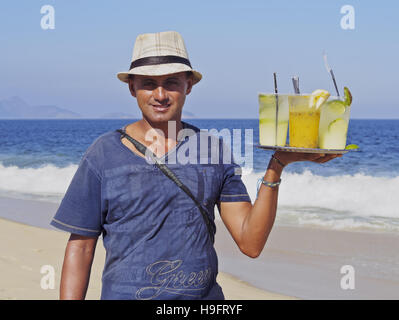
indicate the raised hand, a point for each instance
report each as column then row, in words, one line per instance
column 290, row 157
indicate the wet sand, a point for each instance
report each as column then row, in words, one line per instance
column 25, row 250
column 296, row 262
column 307, row 262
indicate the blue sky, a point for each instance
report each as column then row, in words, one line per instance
column 236, row 45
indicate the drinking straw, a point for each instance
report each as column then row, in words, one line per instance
column 329, row 70
column 275, row 83
column 295, row 82
column 276, row 94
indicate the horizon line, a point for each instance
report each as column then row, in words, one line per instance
column 194, row 118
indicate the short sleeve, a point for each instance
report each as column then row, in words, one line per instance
column 233, row 188
column 80, row 209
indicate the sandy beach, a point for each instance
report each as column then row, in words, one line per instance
column 297, row 262
column 25, row 249
column 307, row 262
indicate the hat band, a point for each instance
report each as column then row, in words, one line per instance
column 154, row 60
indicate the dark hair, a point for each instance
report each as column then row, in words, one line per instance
column 189, row 74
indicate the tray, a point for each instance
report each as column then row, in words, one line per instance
column 305, row 150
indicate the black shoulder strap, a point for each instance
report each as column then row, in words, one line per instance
column 165, row 169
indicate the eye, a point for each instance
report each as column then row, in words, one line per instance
column 172, row 82
column 148, row 83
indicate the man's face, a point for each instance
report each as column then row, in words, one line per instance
column 161, row 98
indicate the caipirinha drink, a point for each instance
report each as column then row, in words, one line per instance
column 304, row 118
column 334, row 120
column 272, row 131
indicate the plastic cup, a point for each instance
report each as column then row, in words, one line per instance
column 334, row 121
column 273, row 124
column 304, row 121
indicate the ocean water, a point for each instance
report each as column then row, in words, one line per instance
column 356, row 192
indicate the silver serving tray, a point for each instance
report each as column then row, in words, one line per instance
column 305, row 150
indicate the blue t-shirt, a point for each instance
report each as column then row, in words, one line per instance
column 156, row 241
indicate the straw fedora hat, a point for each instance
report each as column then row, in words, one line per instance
column 157, row 54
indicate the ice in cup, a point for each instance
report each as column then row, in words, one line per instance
column 334, row 120
column 304, row 118
column 272, row 131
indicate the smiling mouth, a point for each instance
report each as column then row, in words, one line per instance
column 161, row 107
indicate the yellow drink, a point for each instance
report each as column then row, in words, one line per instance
column 304, row 129
column 303, row 122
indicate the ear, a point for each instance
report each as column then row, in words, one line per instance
column 131, row 87
column 189, row 85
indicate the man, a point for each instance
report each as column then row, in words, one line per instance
column 156, row 241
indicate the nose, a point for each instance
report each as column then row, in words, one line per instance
column 160, row 94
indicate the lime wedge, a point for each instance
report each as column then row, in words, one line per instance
column 338, row 125
column 336, row 107
column 317, row 98
column 335, row 136
column 351, row 147
column 348, row 96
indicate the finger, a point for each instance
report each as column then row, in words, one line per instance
column 327, row 158
column 333, row 156
column 313, row 156
column 320, row 160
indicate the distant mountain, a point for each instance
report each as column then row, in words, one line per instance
column 122, row 115
column 118, row 115
column 16, row 108
column 188, row 115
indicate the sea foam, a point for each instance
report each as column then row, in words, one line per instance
column 45, row 183
column 340, row 202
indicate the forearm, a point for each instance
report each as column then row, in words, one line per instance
column 76, row 271
column 250, row 225
column 260, row 219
